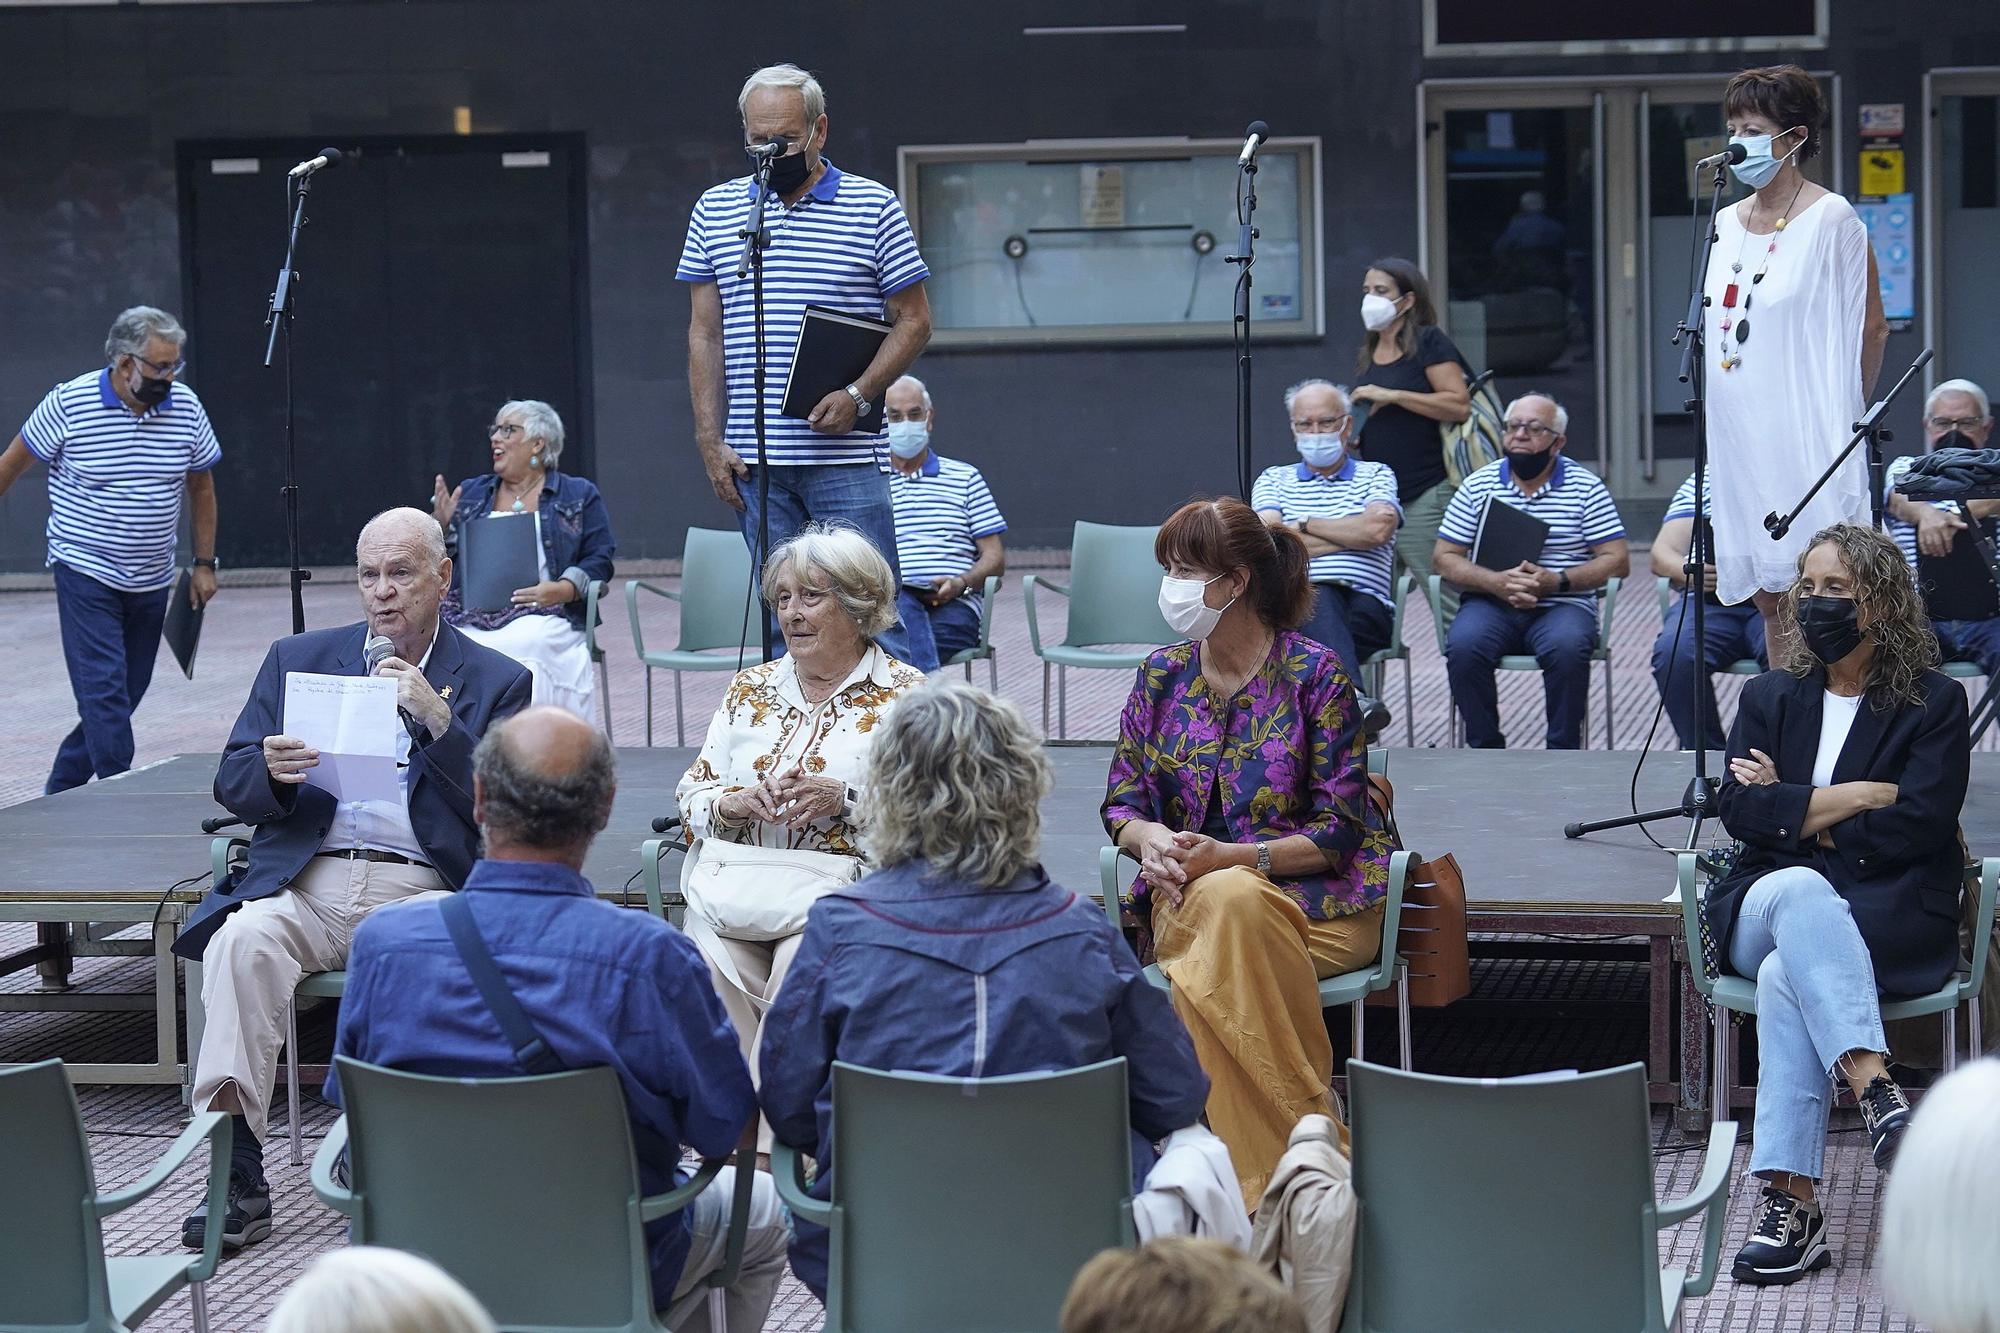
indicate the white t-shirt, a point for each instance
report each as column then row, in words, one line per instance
column 1836, row 719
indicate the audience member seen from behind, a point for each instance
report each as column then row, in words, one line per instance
column 369, row 1289
column 1847, row 771
column 1729, row 633
column 602, row 985
column 947, row 531
column 1937, row 1221
column 1179, row 1284
column 783, row 762
column 319, row 866
column 1546, row 606
column 957, row 955
column 1239, row 783
column 1956, row 416
column 542, row 626
column 1410, row 384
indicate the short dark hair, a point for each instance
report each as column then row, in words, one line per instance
column 1785, row 95
column 1226, row 534
column 547, row 811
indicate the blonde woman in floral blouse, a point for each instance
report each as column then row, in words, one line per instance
column 1240, row 785
column 783, row 762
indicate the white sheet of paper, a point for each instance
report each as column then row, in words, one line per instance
column 352, row 722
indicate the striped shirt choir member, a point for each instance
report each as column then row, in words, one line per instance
column 1957, row 415
column 1547, row 606
column 121, row 445
column 836, row 240
column 1730, row 634
column 947, row 532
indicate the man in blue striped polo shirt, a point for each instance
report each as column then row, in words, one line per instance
column 1547, row 607
column 121, row 445
column 836, row 240
column 1729, row 633
column 1957, row 415
column 947, row 531
column 1348, row 513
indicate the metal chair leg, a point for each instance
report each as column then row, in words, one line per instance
column 992, row 670
column 1718, row 1093
column 292, row 1079
column 1409, row 708
column 1610, row 711
column 198, row 1298
column 680, row 713
column 1951, row 1039
column 604, row 694
column 1972, row 1029
column 1062, row 703
column 1045, row 696
column 718, row 1301
column 1358, row 1008
column 649, row 708
column 1403, row 1012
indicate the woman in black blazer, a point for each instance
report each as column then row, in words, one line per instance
column 1847, row 769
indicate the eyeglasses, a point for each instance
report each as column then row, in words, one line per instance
column 165, row 372
column 1954, row 423
column 1321, row 425
column 506, row 430
column 1534, row 430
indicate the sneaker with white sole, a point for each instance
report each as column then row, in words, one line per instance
column 1885, row 1112
column 1788, row 1241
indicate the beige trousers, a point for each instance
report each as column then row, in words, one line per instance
column 255, row 961
column 760, row 967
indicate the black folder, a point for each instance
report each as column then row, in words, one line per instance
column 501, row 552
column 1508, row 536
column 833, row 351
column 183, row 628
column 1959, row 584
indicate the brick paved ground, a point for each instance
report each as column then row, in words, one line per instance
column 1584, row 1015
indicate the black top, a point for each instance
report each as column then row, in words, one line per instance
column 1898, row 868
column 1408, row 441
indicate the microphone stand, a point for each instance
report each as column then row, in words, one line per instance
column 280, row 318
column 756, row 238
column 1869, row 428
column 1246, row 255
column 1697, row 803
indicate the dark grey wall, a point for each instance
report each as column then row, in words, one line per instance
column 95, row 100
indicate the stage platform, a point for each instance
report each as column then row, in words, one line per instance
column 129, row 852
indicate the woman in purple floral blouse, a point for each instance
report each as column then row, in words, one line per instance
column 1240, row 785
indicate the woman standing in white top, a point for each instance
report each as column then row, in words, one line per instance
column 1794, row 339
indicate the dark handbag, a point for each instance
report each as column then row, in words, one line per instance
column 1431, row 937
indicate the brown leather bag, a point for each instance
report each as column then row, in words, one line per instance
column 1432, row 934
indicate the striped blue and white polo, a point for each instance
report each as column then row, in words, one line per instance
column 1574, row 503
column 1906, row 533
column 845, row 245
column 1682, row 505
column 940, row 509
column 1295, row 491
column 116, row 480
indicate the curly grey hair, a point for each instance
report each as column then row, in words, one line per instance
column 134, row 328
column 538, row 421
column 955, row 779
column 838, row 559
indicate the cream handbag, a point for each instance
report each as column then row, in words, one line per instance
column 746, row 892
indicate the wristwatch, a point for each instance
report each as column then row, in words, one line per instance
column 206, row 562
column 861, row 405
column 1299, row 526
column 1562, row 581
column 1264, row 858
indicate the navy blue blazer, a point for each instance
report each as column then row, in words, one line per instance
column 291, row 821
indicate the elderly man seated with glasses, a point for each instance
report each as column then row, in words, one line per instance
column 1957, row 415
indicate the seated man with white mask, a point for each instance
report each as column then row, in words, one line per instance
column 947, row 531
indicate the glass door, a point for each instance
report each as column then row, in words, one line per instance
column 1964, row 184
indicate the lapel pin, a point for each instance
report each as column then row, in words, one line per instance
column 445, row 693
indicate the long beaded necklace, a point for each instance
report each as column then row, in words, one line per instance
column 1731, row 319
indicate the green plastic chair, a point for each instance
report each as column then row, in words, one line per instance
column 965, row 657
column 531, row 1199
column 1742, row 666
column 1377, row 663
column 1730, row 992
column 1114, row 598
column 967, row 1204
column 1606, row 606
column 593, row 618
column 54, row 1274
column 715, row 589
column 1496, row 1205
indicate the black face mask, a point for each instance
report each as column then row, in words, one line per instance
column 1830, row 626
column 1527, row 466
column 152, row 392
column 789, row 172
column 1953, row 439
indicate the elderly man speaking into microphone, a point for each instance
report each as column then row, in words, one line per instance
column 319, row 865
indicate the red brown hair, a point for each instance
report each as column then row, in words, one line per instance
column 1225, row 535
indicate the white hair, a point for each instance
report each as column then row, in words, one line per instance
column 1292, row 394
column 1562, row 413
column 538, row 421
column 1966, row 387
column 919, row 385
column 405, row 521
column 836, row 558
column 134, row 328
column 370, row 1289
column 1936, row 1255
column 785, row 76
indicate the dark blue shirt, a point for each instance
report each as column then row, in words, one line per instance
column 604, row 986
column 910, row 971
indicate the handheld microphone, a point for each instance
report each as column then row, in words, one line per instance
column 1254, row 139
column 777, row 147
column 378, row 647
column 328, row 157
column 1727, row 157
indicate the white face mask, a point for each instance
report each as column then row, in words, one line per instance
column 1320, row 450
column 1377, row 312
column 1182, row 605
column 907, row 439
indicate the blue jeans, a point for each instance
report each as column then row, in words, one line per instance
column 1561, row 637
column 1350, row 622
column 853, row 493
column 1970, row 641
column 110, row 640
column 938, row 634
column 1729, row 634
column 1815, row 1002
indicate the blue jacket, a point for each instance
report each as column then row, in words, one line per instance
column 602, row 984
column 291, row 821
column 576, row 540
column 883, row 979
